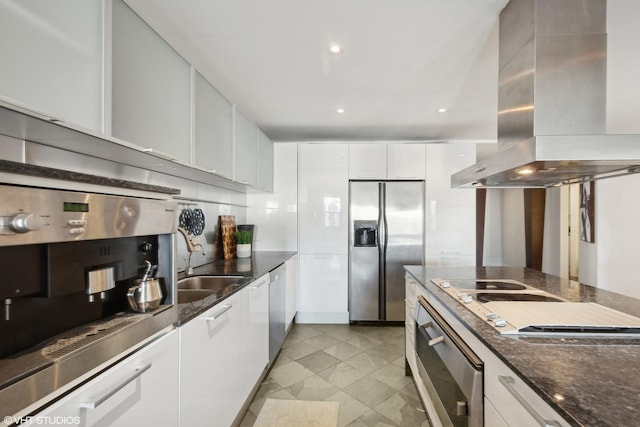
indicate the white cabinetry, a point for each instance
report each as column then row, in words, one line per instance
column 151, row 104
column 210, row 364
column 387, row 161
column 323, row 198
column 513, row 400
column 254, row 351
column 52, row 59
column 411, row 299
column 291, row 293
column 406, row 161
column 246, row 150
column 367, row 161
column 141, row 390
column 213, row 129
column 265, row 162
column 323, row 204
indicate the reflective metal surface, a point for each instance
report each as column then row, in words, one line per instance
column 552, row 100
column 68, row 216
column 33, row 375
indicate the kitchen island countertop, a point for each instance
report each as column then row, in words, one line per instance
column 260, row 263
column 599, row 378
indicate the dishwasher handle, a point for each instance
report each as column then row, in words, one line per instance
column 100, row 400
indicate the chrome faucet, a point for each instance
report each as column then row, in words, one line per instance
column 192, row 246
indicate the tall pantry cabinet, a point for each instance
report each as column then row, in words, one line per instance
column 323, row 210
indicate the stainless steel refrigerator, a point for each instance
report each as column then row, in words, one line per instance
column 386, row 232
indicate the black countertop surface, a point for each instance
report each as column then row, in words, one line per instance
column 260, row 263
column 599, row 378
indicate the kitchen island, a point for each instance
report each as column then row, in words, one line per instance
column 587, row 381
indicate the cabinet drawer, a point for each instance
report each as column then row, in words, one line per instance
column 518, row 404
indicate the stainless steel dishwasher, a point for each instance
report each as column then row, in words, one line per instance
column 277, row 330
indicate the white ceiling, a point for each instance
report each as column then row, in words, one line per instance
column 402, row 61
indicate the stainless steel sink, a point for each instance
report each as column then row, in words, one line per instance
column 191, row 295
column 211, row 283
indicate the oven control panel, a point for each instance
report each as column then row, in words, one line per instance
column 35, row 215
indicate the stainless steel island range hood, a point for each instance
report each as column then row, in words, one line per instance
column 552, row 100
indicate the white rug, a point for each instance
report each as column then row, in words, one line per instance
column 297, row 413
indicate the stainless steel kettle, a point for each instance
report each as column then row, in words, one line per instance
column 146, row 294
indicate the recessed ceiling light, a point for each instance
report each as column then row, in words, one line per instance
column 340, row 111
column 442, row 110
column 335, row 49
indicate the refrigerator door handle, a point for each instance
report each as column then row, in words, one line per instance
column 383, row 238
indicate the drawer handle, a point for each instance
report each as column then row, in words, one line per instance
column 99, row 401
column 436, row 341
column 259, row 285
column 215, row 316
column 508, row 383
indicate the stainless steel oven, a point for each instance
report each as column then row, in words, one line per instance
column 450, row 371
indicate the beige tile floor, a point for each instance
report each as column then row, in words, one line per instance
column 362, row 367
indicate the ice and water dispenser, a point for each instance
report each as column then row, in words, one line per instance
column 365, row 233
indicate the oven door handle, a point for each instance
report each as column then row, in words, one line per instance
column 508, row 383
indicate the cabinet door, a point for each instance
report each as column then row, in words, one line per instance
column 291, row 295
column 213, row 129
column 255, row 334
column 323, row 198
column 209, row 365
column 151, row 88
column 368, row 161
column 52, row 58
column 324, row 288
column 265, row 162
column 246, row 150
column 141, row 390
column 406, row 161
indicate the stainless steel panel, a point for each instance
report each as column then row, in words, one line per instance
column 570, row 84
column 570, row 16
column 517, row 28
column 364, row 286
column 69, row 216
column 405, row 228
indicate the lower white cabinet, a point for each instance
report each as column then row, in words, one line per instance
column 291, row 295
column 324, row 288
column 210, row 365
column 223, row 353
column 254, row 351
column 140, row 390
column 411, row 299
column 516, row 403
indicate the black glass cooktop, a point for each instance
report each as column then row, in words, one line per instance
column 493, row 285
column 497, row 296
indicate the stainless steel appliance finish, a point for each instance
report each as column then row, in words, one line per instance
column 450, row 371
column 33, row 215
column 552, row 100
column 66, row 313
column 277, row 328
column 386, row 231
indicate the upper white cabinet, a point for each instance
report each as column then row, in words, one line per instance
column 213, row 129
column 52, row 59
column 367, row 161
column 323, row 198
column 387, row 161
column 406, row 161
column 246, row 150
column 265, row 162
column 151, row 104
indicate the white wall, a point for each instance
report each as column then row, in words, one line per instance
column 617, row 236
column 556, row 239
column 492, row 245
column 513, row 237
column 275, row 215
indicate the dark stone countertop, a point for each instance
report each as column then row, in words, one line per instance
column 46, row 172
column 599, row 378
column 260, row 263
